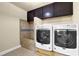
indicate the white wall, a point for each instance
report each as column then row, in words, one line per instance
column 9, row 32
column 10, row 25
column 58, row 20
column 76, row 12
column 11, row 10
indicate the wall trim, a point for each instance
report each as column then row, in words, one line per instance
column 9, row 50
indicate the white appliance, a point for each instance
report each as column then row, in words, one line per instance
column 43, row 37
column 66, row 39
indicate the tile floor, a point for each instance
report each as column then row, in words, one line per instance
column 21, row 52
column 29, row 49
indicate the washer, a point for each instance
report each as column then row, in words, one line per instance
column 65, row 39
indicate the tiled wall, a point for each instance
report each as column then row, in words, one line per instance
column 26, row 29
column 27, row 34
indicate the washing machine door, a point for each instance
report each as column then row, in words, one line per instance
column 43, row 36
column 65, row 38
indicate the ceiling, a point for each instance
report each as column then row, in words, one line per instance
column 30, row 5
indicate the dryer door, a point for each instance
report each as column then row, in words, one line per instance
column 43, row 36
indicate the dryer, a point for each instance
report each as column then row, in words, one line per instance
column 43, row 37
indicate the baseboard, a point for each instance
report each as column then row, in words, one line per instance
column 9, row 50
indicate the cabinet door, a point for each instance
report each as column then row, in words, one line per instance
column 48, row 11
column 38, row 13
column 63, row 8
column 30, row 16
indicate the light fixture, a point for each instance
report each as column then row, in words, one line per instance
column 47, row 14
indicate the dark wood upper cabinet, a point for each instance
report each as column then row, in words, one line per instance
column 38, row 13
column 52, row 10
column 63, row 8
column 30, row 16
column 48, row 11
